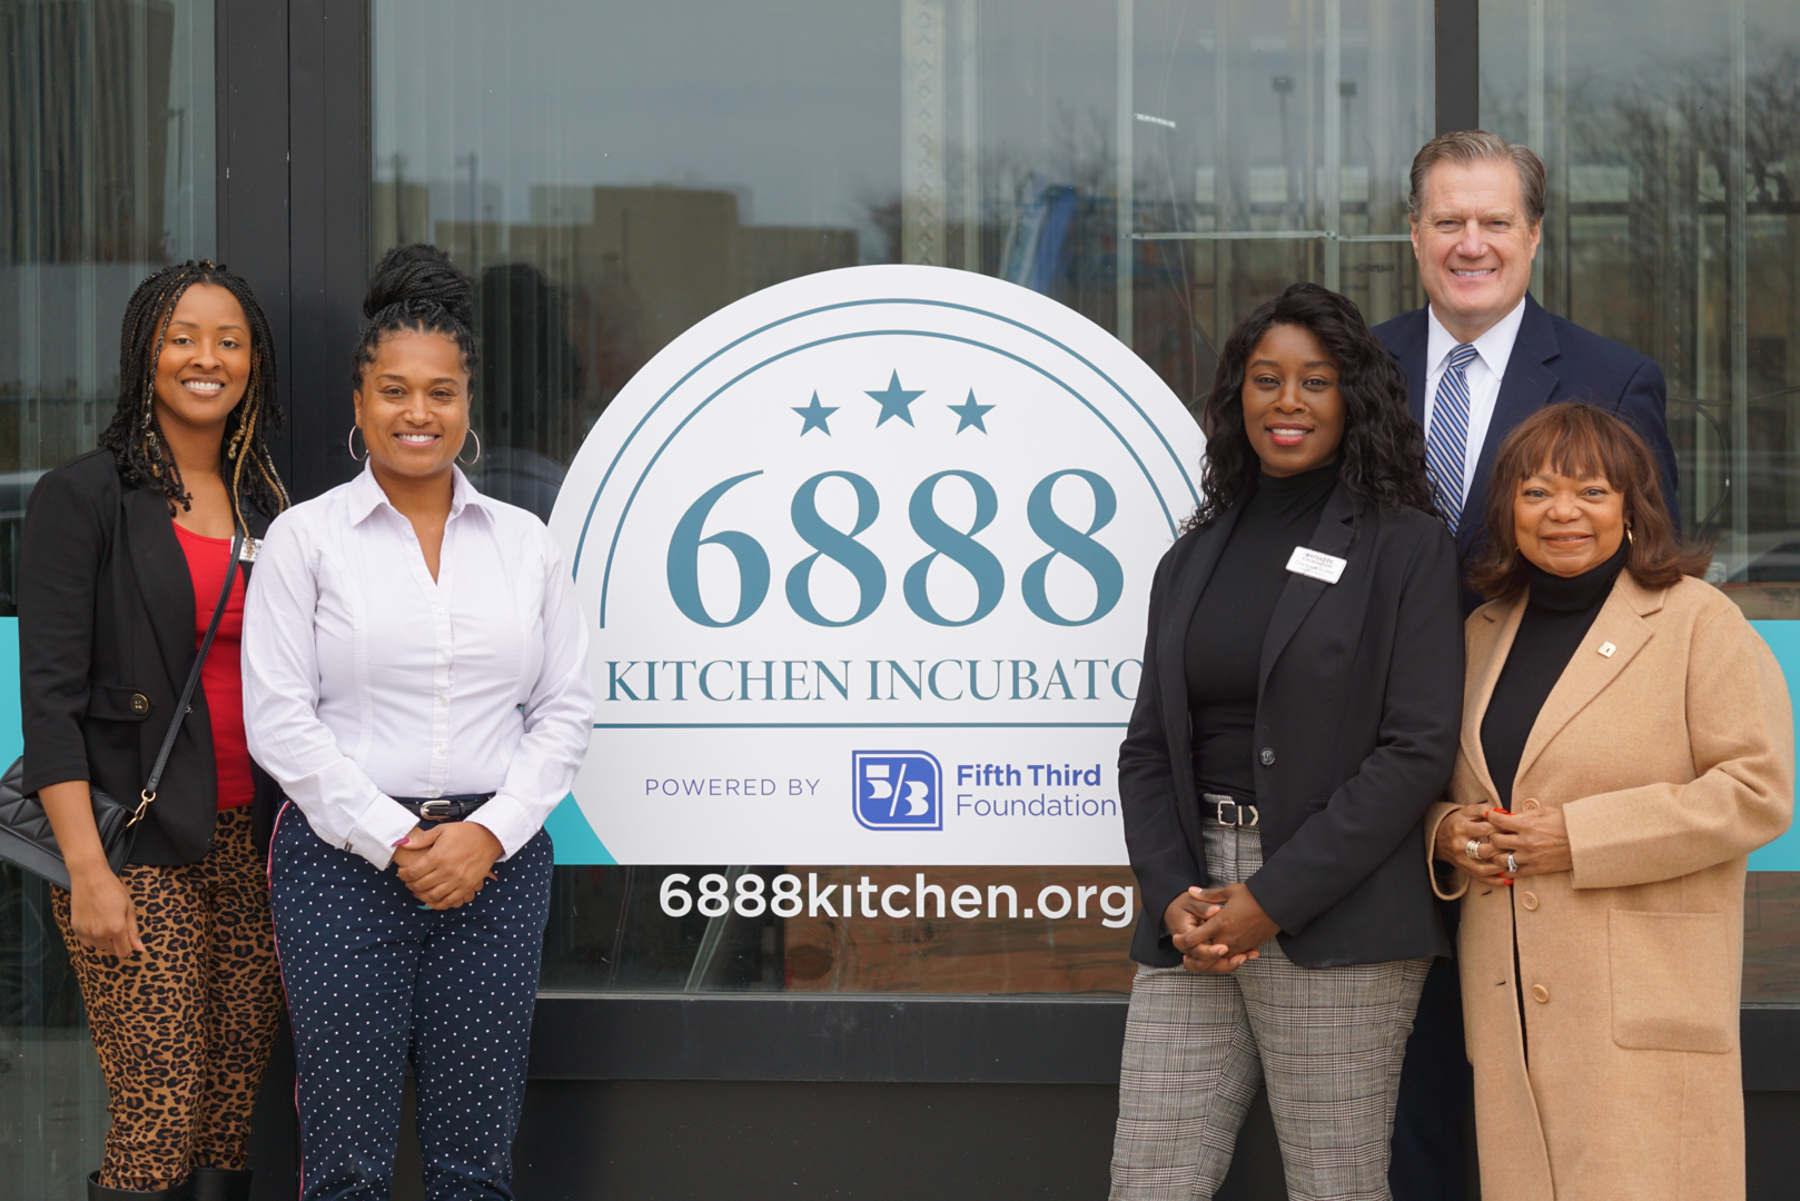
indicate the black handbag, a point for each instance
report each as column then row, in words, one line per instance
column 26, row 839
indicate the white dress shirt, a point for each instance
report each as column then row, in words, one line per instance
column 365, row 679
column 1485, row 371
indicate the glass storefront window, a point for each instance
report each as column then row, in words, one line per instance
column 1673, row 226
column 610, row 176
column 107, row 144
column 1672, row 136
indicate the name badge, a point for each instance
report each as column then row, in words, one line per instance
column 248, row 553
column 1316, row 564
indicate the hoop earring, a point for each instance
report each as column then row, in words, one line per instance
column 477, row 458
column 1629, row 540
column 350, row 443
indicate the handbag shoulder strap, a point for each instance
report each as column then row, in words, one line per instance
column 193, row 681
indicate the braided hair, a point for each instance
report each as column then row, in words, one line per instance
column 416, row 288
column 135, row 436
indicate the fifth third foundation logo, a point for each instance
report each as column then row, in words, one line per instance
column 897, row 790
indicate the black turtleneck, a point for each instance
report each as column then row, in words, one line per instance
column 1559, row 610
column 1223, row 656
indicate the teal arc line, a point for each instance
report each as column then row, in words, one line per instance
column 581, row 542
column 625, row 513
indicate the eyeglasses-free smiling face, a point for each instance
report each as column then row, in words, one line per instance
column 1567, row 525
column 1474, row 244
column 413, row 406
column 1293, row 412
column 204, row 367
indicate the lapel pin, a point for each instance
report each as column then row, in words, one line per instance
column 1607, row 649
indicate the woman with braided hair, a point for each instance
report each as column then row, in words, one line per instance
column 416, row 679
column 126, row 564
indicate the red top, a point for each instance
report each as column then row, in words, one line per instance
column 220, row 677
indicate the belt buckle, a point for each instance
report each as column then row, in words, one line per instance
column 1238, row 810
column 426, row 814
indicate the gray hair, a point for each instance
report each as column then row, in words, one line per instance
column 1466, row 146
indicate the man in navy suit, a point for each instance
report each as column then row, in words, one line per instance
column 1479, row 359
column 1483, row 346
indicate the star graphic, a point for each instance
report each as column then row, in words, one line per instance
column 969, row 414
column 815, row 415
column 894, row 400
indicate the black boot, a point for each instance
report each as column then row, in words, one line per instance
column 95, row 1192
column 219, row 1184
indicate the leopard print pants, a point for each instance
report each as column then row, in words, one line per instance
column 185, row 1029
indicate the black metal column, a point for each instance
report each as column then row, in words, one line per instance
column 251, row 51
column 294, row 128
column 1458, row 65
column 330, row 131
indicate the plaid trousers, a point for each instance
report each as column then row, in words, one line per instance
column 1327, row 1042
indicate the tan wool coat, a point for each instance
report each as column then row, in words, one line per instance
column 1668, row 743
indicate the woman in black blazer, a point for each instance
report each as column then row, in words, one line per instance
column 1297, row 714
column 124, row 557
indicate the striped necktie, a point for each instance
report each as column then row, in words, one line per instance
column 1446, row 442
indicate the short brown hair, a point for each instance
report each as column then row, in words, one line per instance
column 1465, row 146
column 1579, row 440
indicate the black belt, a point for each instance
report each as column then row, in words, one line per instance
column 445, row 808
column 1228, row 810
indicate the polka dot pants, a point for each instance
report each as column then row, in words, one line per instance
column 373, row 980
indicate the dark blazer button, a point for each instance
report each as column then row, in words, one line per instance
column 1268, row 756
column 140, row 704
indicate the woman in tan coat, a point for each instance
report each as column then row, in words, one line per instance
column 1627, row 741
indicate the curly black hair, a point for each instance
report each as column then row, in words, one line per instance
column 135, row 436
column 417, row 288
column 1383, row 451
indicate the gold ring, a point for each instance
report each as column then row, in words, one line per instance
column 1473, row 849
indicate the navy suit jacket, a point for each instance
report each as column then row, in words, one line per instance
column 1552, row 360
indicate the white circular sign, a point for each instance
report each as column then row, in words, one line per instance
column 867, row 556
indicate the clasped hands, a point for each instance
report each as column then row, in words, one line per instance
column 1218, row 930
column 448, row 864
column 1537, row 840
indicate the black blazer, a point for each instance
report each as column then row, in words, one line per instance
column 1358, row 713
column 1552, row 360
column 106, row 641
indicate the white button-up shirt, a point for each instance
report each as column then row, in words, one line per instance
column 1485, row 371
column 365, row 679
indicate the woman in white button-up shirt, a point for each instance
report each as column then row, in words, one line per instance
column 417, row 683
